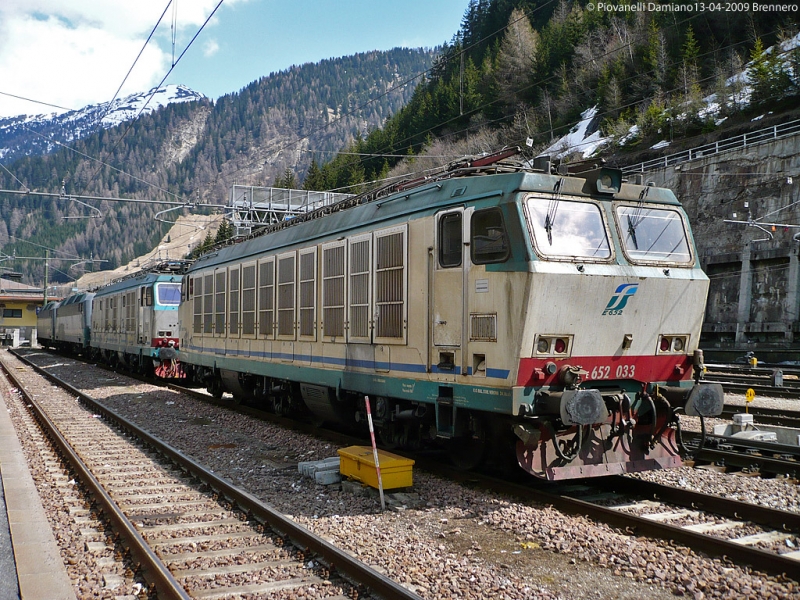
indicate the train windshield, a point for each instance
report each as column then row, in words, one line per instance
column 567, row 228
column 168, row 294
column 653, row 234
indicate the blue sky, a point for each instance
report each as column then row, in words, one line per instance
column 70, row 53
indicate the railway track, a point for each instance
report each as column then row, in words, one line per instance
column 738, row 379
column 705, row 523
column 193, row 534
column 749, row 456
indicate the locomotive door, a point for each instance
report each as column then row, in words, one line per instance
column 447, row 304
column 145, row 325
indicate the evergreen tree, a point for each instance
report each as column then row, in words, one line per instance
column 287, row 180
column 767, row 75
column 515, row 60
column 315, row 179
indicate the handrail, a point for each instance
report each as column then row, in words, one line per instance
column 736, row 142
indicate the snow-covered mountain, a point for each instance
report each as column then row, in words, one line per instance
column 26, row 135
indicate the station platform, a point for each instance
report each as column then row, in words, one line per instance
column 30, row 562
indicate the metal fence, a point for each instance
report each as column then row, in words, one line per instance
column 733, row 143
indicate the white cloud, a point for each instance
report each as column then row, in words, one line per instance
column 210, row 48
column 76, row 52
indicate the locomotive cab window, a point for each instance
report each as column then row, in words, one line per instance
column 653, row 234
column 567, row 229
column 168, row 294
column 450, row 241
column 488, row 240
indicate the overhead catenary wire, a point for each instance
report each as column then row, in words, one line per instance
column 91, row 158
column 525, row 88
column 286, row 145
column 186, row 204
column 155, row 89
column 136, row 60
column 105, row 112
column 10, row 95
column 567, row 126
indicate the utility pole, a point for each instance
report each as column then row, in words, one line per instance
column 46, row 263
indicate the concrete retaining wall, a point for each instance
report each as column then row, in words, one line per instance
column 753, row 301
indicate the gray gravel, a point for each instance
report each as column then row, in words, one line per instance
column 459, row 542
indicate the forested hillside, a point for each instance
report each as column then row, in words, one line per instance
column 195, row 152
column 524, row 70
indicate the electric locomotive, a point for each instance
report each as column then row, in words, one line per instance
column 46, row 324
column 66, row 325
column 135, row 322
column 494, row 307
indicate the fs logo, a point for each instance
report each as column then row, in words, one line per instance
column 620, row 298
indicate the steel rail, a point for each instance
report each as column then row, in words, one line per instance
column 719, row 505
column 765, row 464
column 337, row 559
column 761, row 560
column 153, row 570
column 761, row 390
column 736, row 553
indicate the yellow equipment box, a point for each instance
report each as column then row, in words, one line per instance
column 358, row 462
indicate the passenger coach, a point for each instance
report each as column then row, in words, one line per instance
column 491, row 307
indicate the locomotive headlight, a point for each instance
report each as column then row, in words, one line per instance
column 553, row 345
column 672, row 344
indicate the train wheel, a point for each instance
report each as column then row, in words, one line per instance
column 281, row 405
column 388, row 436
column 468, row 451
column 215, row 388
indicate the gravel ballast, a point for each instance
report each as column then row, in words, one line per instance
column 458, row 542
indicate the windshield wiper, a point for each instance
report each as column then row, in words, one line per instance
column 632, row 232
column 552, row 209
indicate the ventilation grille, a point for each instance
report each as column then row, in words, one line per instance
column 248, row 300
column 266, row 297
column 208, row 299
column 233, row 303
column 307, row 294
column 483, row 328
column 389, row 286
column 359, row 289
column 333, row 291
column 286, row 296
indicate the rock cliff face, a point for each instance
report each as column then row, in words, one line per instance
column 753, row 302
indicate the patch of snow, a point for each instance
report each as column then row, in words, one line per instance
column 584, row 137
column 632, row 134
column 758, row 118
column 659, row 145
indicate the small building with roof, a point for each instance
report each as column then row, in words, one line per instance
column 19, row 304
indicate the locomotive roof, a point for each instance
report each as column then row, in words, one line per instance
column 77, row 298
column 133, row 282
column 425, row 199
